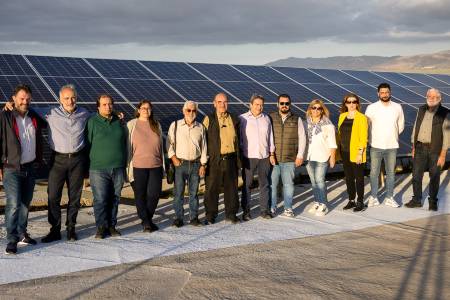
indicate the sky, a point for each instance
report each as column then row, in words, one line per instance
column 227, row 31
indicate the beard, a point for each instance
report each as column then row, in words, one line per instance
column 386, row 99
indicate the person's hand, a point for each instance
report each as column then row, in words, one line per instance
column 273, row 160
column 298, row 162
column 176, row 162
column 332, row 161
column 359, row 159
column 1, row 174
column 202, row 171
column 441, row 161
column 412, row 152
column 120, row 115
column 8, row 106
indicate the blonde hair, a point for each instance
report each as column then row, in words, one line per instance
column 325, row 110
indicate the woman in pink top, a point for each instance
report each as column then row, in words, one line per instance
column 145, row 162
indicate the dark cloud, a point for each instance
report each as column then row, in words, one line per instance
column 209, row 22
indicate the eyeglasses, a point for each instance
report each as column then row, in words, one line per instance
column 191, row 110
column 351, row 102
column 285, row 103
column 316, row 108
column 145, row 108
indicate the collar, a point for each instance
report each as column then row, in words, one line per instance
column 102, row 118
column 65, row 112
column 16, row 114
column 249, row 114
column 194, row 124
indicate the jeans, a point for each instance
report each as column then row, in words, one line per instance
column 287, row 172
column 262, row 166
column 70, row 171
column 19, row 187
column 106, row 187
column 147, row 188
column 425, row 160
column 187, row 171
column 390, row 159
column 316, row 171
column 354, row 177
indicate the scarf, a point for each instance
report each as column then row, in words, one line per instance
column 315, row 129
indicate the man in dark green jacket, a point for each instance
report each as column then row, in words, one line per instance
column 106, row 138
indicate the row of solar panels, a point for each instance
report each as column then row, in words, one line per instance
column 169, row 84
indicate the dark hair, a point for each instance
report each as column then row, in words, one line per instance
column 284, row 96
column 151, row 120
column 22, row 87
column 256, row 96
column 350, row 95
column 384, row 85
column 103, row 96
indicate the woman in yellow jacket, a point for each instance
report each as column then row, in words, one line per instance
column 352, row 143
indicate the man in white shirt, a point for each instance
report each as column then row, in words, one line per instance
column 386, row 122
column 258, row 150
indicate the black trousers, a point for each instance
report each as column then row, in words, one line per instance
column 262, row 167
column 354, row 177
column 425, row 160
column 224, row 174
column 147, row 186
column 68, row 170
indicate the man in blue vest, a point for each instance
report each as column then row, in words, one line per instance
column 430, row 140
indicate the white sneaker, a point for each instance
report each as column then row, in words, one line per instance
column 313, row 208
column 288, row 213
column 322, row 210
column 391, row 202
column 273, row 211
column 373, row 201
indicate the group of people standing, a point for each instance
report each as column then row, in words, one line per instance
column 111, row 151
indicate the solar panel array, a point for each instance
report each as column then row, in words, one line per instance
column 169, row 84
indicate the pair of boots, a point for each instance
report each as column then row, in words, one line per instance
column 55, row 235
column 357, row 206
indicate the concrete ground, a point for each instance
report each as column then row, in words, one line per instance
column 401, row 261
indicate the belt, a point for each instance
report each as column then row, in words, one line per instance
column 189, row 161
column 69, row 155
column 427, row 145
column 228, row 156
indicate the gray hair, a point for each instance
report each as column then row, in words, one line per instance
column 438, row 93
column 256, row 96
column 189, row 102
column 68, row 87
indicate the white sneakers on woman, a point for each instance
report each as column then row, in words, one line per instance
column 318, row 209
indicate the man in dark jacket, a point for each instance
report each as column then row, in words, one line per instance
column 223, row 161
column 430, row 140
column 20, row 148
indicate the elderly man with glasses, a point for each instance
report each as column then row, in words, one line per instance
column 186, row 143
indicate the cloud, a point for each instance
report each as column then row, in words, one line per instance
column 227, row 22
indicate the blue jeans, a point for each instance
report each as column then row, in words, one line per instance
column 287, row 172
column 19, row 187
column 316, row 171
column 390, row 159
column 187, row 171
column 106, row 187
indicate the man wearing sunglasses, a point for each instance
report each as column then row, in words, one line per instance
column 290, row 140
column 186, row 141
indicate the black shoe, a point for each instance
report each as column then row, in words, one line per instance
column 113, row 231
column 267, row 215
column 178, row 223
column 27, row 240
column 153, row 227
column 246, row 216
column 359, row 206
column 147, row 229
column 51, row 237
column 232, row 219
column 195, row 222
column 11, row 248
column 432, row 206
column 209, row 221
column 101, row 233
column 350, row 204
column 71, row 234
column 413, row 203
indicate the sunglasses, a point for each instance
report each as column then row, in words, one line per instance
column 351, row 102
column 191, row 110
column 285, row 103
column 316, row 108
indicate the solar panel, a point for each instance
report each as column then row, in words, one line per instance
column 301, row 75
column 425, row 79
column 136, row 90
column 245, row 90
column 262, row 73
column 39, row 90
column 336, row 76
column 297, row 92
column 399, row 79
column 218, row 72
column 442, row 77
column 173, row 70
column 114, row 68
column 14, row 65
column 200, row 91
column 61, row 66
